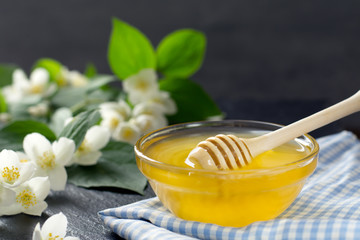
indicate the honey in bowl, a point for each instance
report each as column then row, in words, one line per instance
column 259, row 191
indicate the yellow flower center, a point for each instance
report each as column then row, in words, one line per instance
column 61, row 81
column 10, row 175
column 113, row 123
column 142, row 85
column 79, row 82
column 84, row 147
column 128, row 133
column 51, row 237
column 26, row 198
column 23, row 160
column 47, row 160
column 121, row 112
column 36, row 89
column 147, row 124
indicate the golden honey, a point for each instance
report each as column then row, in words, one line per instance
column 260, row 191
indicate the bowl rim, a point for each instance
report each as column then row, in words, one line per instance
column 288, row 166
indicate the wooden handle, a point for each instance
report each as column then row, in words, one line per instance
column 276, row 138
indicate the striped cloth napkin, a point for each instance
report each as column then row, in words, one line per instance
column 327, row 208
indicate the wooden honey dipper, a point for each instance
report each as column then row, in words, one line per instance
column 223, row 152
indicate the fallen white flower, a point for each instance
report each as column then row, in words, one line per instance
column 54, row 228
column 29, row 198
column 50, row 158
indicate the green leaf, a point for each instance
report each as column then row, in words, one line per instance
column 98, row 81
column 116, row 168
column 77, row 129
column 3, row 105
column 6, row 71
column 193, row 103
column 90, row 70
column 181, row 53
column 82, row 98
column 19, row 110
column 57, row 121
column 129, row 50
column 68, row 96
column 12, row 135
column 51, row 65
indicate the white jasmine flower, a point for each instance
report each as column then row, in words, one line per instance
column 149, row 108
column 50, row 158
column 147, row 123
column 20, row 79
column 12, row 171
column 141, row 86
column 53, row 228
column 68, row 120
column 127, row 132
column 215, row 118
column 23, row 158
column 39, row 110
column 38, row 81
column 38, row 84
column 5, row 117
column 7, row 197
column 11, row 94
column 29, row 198
column 60, row 118
column 71, row 78
column 61, row 78
column 110, row 119
column 16, row 91
column 121, row 107
column 165, row 101
column 95, row 139
column 76, row 79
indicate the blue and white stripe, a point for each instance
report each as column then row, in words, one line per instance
column 327, row 208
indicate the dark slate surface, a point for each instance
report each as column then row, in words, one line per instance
column 81, row 205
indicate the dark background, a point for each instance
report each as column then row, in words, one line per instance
column 276, row 50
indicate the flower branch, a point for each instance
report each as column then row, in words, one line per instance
column 60, row 125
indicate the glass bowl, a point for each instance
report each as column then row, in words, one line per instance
column 233, row 198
